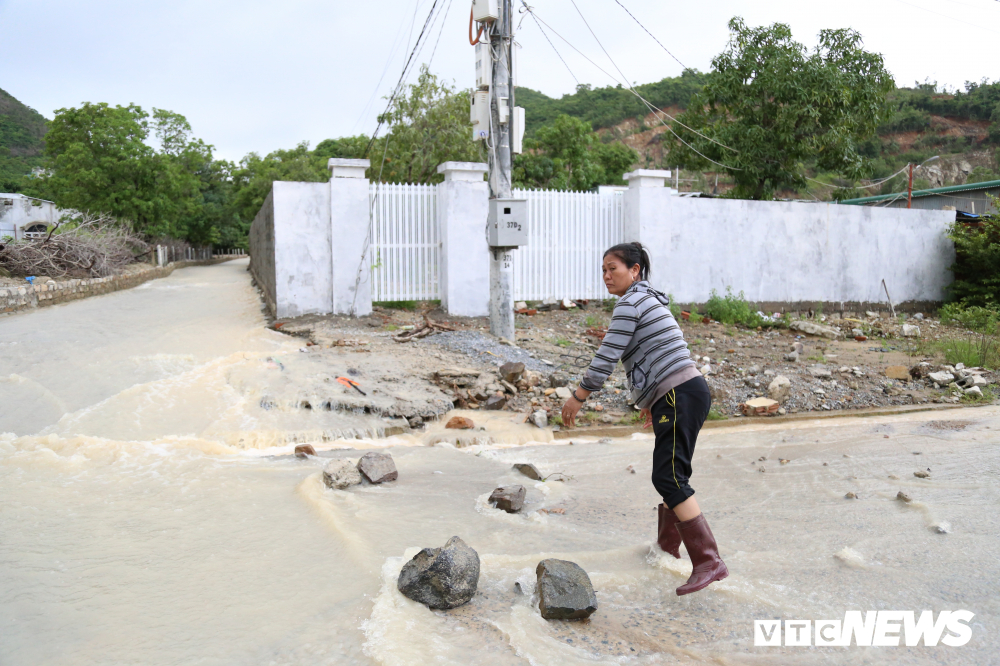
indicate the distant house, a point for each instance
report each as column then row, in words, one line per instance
column 970, row 198
column 26, row 217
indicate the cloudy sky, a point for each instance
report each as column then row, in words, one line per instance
column 256, row 76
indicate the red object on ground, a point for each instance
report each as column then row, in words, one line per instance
column 527, row 311
column 860, row 338
column 597, row 332
column 350, row 382
column 685, row 315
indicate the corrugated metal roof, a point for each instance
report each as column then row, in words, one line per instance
column 987, row 185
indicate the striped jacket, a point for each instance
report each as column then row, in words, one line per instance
column 645, row 337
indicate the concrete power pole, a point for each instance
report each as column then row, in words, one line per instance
column 502, row 114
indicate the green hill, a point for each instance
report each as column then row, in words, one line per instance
column 22, row 132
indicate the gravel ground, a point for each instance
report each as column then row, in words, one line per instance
column 486, row 348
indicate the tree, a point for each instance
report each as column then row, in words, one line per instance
column 568, row 155
column 427, row 127
column 769, row 105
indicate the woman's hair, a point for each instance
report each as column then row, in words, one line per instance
column 632, row 254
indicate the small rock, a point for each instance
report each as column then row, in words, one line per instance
column 779, row 389
column 566, row 304
column 759, row 407
column 894, row 477
column 850, row 496
column 460, row 423
column 820, row 371
column 528, row 470
column 495, row 402
column 856, row 332
column 812, row 328
column 304, row 450
column 520, row 305
column 510, row 388
column 415, row 421
column 441, row 578
column 705, row 370
column 631, row 469
column 792, row 357
column 508, row 498
column 910, row 331
column 798, row 348
column 921, row 474
column 784, row 461
column 548, row 391
column 900, row 372
column 975, row 390
column 540, row 418
column 563, row 393
column 558, row 379
column 903, row 497
column 511, row 372
column 919, row 316
column 760, row 469
column 341, row 474
column 942, row 377
column 378, row 467
column 871, row 315
column 564, row 591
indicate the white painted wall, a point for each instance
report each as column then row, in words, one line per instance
column 348, row 216
column 302, row 248
column 463, row 206
column 18, row 212
column 789, row 252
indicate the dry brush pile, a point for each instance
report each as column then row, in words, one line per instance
column 84, row 246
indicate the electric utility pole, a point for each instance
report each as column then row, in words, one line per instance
column 501, row 158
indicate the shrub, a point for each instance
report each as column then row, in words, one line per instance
column 977, row 262
column 734, row 309
column 974, row 318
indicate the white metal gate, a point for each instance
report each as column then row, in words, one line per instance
column 405, row 242
column 567, row 234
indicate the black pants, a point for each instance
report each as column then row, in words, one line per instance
column 677, row 418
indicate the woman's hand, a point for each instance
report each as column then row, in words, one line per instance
column 647, row 419
column 572, row 407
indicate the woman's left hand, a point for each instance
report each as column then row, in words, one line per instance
column 569, row 412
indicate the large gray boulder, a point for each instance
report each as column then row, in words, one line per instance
column 441, row 578
column 564, row 591
column 378, row 467
column 341, row 474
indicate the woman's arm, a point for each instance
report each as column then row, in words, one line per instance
column 623, row 323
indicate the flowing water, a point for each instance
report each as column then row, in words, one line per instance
column 150, row 513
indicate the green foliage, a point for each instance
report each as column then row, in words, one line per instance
column 977, row 262
column 974, row 318
column 675, row 309
column 715, row 415
column 988, row 395
column 21, row 143
column 733, row 309
column 776, row 105
column 981, row 175
column 567, row 155
column 428, row 126
column 592, row 320
column 976, row 350
column 398, row 305
column 604, row 107
column 253, row 178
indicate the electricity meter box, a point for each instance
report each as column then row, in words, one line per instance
column 485, row 10
column 479, row 115
column 484, row 65
column 508, row 223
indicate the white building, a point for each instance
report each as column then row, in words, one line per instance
column 23, row 217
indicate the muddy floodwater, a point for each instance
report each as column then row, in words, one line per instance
column 151, row 513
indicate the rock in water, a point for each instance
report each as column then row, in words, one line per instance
column 540, row 418
column 508, row 498
column 378, row 467
column 529, row 471
column 341, row 474
column 564, row 591
column 304, row 450
column 512, row 371
column 460, row 423
column 441, row 578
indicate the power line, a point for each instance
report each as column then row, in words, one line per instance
column 388, row 61
column 402, row 78
column 535, row 18
column 859, row 187
column 643, row 99
column 650, row 34
column 438, row 41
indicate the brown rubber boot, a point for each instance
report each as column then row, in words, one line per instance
column 667, row 536
column 704, row 553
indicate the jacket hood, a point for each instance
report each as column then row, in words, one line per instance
column 642, row 286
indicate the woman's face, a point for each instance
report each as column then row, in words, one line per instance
column 618, row 278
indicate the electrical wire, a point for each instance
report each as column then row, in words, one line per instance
column 438, row 41
column 388, row 61
column 474, row 40
column 860, row 187
column 650, row 34
column 402, row 78
column 652, row 109
column 559, row 55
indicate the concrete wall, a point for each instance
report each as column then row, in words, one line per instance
column 779, row 252
column 302, row 265
column 464, row 268
column 18, row 212
column 262, row 251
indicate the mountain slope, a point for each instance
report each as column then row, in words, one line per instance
column 22, row 132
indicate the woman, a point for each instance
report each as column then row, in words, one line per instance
column 672, row 395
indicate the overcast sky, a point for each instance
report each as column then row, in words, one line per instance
column 255, row 76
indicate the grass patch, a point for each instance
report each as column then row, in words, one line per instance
column 734, row 309
column 560, row 342
column 392, row 327
column 591, row 417
column 608, row 304
column 557, row 419
column 974, row 318
column 715, row 415
column 593, row 320
column 632, row 418
column 978, row 349
column 819, row 358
